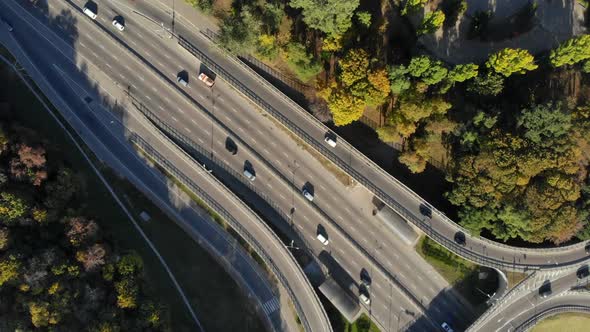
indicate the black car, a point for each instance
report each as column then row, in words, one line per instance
column 460, row 238
column 583, row 272
column 231, row 146
column 545, row 290
column 587, row 248
column 425, row 211
column 365, row 278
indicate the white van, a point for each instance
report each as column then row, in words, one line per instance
column 89, row 13
column 323, row 239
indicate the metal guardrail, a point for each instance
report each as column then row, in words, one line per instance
column 243, row 232
column 528, row 324
column 191, row 145
column 387, row 199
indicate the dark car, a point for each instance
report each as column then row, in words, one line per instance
column 460, row 238
column 545, row 290
column 583, row 272
column 587, row 248
column 231, row 146
column 425, row 211
column 365, row 278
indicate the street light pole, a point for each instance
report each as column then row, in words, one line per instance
column 294, row 169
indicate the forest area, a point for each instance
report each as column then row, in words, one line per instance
column 514, row 128
column 59, row 270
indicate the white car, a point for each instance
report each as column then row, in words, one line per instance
column 330, row 141
column 249, row 175
column 446, row 327
column 365, row 298
column 206, row 79
column 118, row 25
column 89, row 13
column 307, row 195
column 323, row 239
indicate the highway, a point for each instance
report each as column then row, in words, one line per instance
column 282, row 166
column 52, row 60
column 387, row 303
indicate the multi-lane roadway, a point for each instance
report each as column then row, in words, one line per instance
column 144, row 62
column 98, row 44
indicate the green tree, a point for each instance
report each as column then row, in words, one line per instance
column 333, row 17
column 127, row 291
column 464, row 72
column 431, row 22
column 9, row 269
column 300, row 62
column 130, row 264
column 545, row 124
column 240, row 31
column 509, row 61
column 399, row 79
column 419, row 65
column 435, row 73
column 364, row 18
column 4, row 238
column 413, row 6
column 490, row 84
column 571, row 52
column 204, row 5
column 267, row 47
column 12, row 207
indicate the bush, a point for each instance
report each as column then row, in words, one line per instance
column 300, row 62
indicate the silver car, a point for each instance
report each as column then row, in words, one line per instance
column 307, row 195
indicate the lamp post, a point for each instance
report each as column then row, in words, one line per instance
column 294, row 169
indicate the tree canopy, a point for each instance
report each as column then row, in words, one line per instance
column 332, row 17
column 510, row 61
column 571, row 52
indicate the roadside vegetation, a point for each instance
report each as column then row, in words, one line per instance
column 213, row 294
column 59, row 263
column 461, row 274
column 512, row 130
column 573, row 321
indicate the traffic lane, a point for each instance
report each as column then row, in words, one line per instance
column 76, row 97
